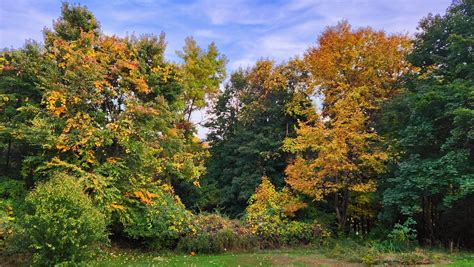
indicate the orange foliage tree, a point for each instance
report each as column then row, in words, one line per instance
column 338, row 152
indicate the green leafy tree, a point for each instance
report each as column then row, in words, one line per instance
column 431, row 126
column 203, row 72
column 20, row 99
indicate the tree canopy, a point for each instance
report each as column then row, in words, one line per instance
column 370, row 134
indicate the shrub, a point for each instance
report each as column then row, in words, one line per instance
column 403, row 234
column 213, row 233
column 374, row 253
column 154, row 215
column 269, row 216
column 10, row 192
column 295, row 232
column 58, row 222
column 348, row 250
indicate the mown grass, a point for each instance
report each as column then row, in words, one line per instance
column 461, row 260
column 284, row 257
column 338, row 253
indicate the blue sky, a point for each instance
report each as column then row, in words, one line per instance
column 243, row 30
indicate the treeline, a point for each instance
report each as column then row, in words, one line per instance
column 369, row 134
column 371, row 129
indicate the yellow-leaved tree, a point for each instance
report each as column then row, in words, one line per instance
column 338, row 153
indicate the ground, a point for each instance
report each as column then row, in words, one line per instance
column 305, row 256
column 297, row 257
column 288, row 257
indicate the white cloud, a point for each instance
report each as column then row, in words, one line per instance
column 210, row 34
column 21, row 21
column 242, row 63
column 244, row 30
column 244, row 12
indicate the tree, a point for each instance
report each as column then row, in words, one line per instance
column 430, row 126
column 338, row 152
column 19, row 102
column 249, row 122
column 203, row 72
column 73, row 21
column 103, row 109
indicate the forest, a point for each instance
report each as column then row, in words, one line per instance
column 361, row 148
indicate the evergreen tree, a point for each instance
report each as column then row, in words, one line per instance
column 250, row 121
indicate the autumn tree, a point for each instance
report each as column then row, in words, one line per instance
column 107, row 110
column 338, row 152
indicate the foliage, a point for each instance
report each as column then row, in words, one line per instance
column 250, row 119
column 59, row 222
column 430, row 127
column 269, row 217
column 214, row 234
column 153, row 215
column 99, row 130
column 19, row 100
column 338, row 152
column 108, row 111
column 403, row 233
column 203, row 71
column 11, row 192
column 380, row 253
column 101, row 103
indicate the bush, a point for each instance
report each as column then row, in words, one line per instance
column 269, row 216
column 347, row 249
column 154, row 216
column 58, row 222
column 10, row 192
column 213, row 233
column 403, row 234
column 295, row 232
column 376, row 253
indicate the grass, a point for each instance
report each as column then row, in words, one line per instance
column 461, row 260
column 339, row 253
column 284, row 257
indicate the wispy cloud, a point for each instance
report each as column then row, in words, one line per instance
column 244, row 30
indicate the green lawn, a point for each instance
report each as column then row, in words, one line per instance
column 463, row 260
column 293, row 257
column 297, row 257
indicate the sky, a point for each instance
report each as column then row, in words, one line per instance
column 243, row 30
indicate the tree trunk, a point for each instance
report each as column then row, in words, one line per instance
column 341, row 209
